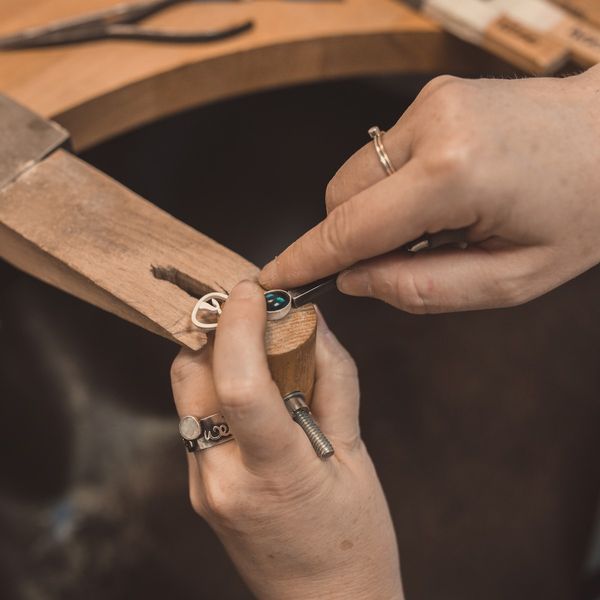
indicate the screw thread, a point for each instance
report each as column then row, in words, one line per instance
column 323, row 447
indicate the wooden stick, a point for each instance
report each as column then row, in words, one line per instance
column 75, row 228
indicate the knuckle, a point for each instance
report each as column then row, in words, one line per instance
column 449, row 103
column 346, row 365
column 438, row 83
column 180, row 368
column 231, row 507
column 452, row 161
column 415, row 292
column 349, row 367
column 441, row 92
column 295, row 258
column 450, row 92
column 345, row 368
column 415, row 296
column 406, row 292
column 335, row 231
column 457, row 142
column 332, row 194
column 238, row 394
column 220, row 502
column 513, row 291
column 197, row 502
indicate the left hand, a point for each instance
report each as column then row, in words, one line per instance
column 296, row 527
column 509, row 165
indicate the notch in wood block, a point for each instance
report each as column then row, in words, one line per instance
column 75, row 228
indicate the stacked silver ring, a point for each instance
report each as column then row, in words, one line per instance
column 201, row 433
column 377, row 137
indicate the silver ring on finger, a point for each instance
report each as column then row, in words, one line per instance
column 202, row 433
column 377, row 137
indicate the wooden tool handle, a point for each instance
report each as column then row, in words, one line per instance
column 291, row 351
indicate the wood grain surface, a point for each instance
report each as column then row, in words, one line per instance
column 75, row 228
column 99, row 89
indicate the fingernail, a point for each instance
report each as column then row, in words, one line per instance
column 354, row 282
column 245, row 289
column 268, row 274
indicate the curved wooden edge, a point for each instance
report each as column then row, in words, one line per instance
column 294, row 63
column 100, row 89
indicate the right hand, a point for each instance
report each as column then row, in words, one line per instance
column 515, row 164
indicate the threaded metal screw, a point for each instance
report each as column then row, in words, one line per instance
column 300, row 412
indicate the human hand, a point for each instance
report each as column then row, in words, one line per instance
column 296, row 527
column 513, row 163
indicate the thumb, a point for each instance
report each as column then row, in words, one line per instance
column 336, row 397
column 448, row 280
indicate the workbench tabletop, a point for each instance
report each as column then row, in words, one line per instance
column 99, row 89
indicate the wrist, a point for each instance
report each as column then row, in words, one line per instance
column 339, row 588
column 365, row 570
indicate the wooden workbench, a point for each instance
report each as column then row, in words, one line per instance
column 71, row 226
column 98, row 89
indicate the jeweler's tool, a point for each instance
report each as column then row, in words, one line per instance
column 298, row 409
column 311, row 291
column 118, row 22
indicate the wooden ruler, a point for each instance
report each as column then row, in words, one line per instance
column 536, row 35
column 486, row 24
column 581, row 37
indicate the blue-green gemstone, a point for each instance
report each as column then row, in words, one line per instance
column 275, row 301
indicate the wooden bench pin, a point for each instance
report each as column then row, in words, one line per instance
column 73, row 227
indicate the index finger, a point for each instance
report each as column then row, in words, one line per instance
column 389, row 214
column 364, row 169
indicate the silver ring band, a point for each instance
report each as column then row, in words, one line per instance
column 202, row 433
column 377, row 137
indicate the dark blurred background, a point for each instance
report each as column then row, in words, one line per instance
column 485, row 427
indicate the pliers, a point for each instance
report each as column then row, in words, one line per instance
column 118, row 22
